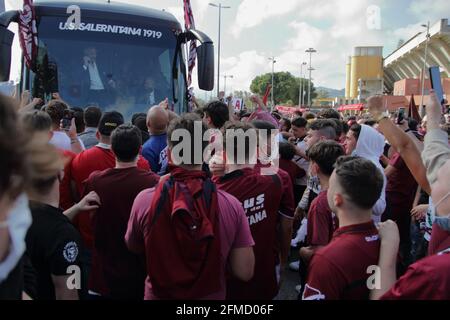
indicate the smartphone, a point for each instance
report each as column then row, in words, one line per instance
column 436, row 84
column 67, row 120
column 401, row 115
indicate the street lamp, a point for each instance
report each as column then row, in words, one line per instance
column 225, row 82
column 310, row 51
column 220, row 6
column 273, row 64
column 300, row 96
column 421, row 108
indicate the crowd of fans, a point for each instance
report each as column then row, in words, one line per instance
column 94, row 208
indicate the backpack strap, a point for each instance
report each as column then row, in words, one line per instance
column 162, row 200
column 208, row 188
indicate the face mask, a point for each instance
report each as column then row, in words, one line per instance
column 19, row 220
column 442, row 222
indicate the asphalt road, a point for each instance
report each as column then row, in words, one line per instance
column 292, row 278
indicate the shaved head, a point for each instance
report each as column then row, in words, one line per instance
column 157, row 120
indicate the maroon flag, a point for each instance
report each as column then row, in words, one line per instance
column 28, row 33
column 412, row 110
column 266, row 94
column 190, row 24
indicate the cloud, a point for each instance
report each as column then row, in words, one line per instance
column 178, row 13
column 431, row 10
column 244, row 67
column 407, row 32
column 253, row 12
column 332, row 27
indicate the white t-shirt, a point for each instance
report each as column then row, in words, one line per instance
column 303, row 164
column 62, row 141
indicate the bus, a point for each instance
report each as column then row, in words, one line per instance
column 117, row 56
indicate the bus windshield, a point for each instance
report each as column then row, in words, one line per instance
column 116, row 66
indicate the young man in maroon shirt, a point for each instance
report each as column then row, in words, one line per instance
column 97, row 158
column 269, row 213
column 322, row 221
column 116, row 272
column 189, row 231
column 340, row 269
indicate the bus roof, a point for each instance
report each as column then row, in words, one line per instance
column 101, row 8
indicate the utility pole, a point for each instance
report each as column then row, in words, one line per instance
column 273, row 87
column 300, row 96
column 220, row 7
column 421, row 107
column 310, row 51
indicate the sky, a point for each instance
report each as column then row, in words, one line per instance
column 254, row 30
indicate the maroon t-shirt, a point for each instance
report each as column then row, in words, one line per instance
column 339, row 270
column 294, row 171
column 263, row 201
column 427, row 279
column 94, row 159
column 440, row 240
column 116, row 272
column 321, row 222
column 401, row 186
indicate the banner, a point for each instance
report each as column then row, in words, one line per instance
column 190, row 24
column 238, row 104
column 28, row 33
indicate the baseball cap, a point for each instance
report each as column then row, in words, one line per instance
column 109, row 121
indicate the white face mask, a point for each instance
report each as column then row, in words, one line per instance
column 19, row 220
column 442, row 221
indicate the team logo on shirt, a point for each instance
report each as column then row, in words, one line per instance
column 254, row 209
column 70, row 252
column 372, row 238
column 311, row 293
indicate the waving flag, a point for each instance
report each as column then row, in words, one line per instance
column 28, row 33
column 190, row 24
column 412, row 110
column 266, row 95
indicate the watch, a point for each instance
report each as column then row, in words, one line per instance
column 383, row 115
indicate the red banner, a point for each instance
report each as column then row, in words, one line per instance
column 352, row 107
column 28, row 33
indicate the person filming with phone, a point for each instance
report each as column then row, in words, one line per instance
column 63, row 131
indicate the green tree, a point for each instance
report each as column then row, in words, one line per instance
column 287, row 87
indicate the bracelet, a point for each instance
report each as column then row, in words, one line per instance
column 72, row 141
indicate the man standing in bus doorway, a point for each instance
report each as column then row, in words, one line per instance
column 151, row 94
column 96, row 86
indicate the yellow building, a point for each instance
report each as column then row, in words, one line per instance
column 365, row 73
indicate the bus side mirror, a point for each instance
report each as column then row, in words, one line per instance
column 6, row 40
column 205, row 67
